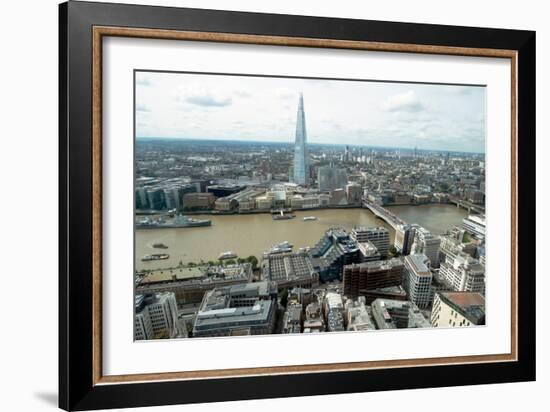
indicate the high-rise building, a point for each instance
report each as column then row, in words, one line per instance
column 301, row 164
column 362, row 277
column 331, row 178
column 427, row 244
column 404, row 237
column 418, row 280
column 379, row 236
column 462, row 273
column 354, row 192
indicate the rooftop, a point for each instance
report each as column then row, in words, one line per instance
column 470, row 304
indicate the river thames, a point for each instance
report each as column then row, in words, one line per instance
column 253, row 234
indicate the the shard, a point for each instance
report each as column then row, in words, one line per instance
column 301, row 167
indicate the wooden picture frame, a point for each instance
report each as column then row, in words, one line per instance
column 83, row 26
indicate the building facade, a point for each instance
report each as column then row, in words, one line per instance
column 156, row 316
column 418, row 280
column 362, row 277
column 378, row 236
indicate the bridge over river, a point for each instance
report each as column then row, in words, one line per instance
column 383, row 213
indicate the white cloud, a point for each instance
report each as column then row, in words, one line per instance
column 403, row 102
column 354, row 112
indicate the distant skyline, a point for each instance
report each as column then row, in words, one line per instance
column 248, row 108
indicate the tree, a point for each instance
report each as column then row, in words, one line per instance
column 191, row 264
column 253, row 260
column 230, row 262
column 393, row 251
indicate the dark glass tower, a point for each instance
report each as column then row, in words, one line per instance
column 301, row 167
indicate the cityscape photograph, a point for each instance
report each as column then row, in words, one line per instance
column 279, row 205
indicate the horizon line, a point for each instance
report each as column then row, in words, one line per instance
column 312, row 143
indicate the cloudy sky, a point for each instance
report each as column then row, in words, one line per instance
column 201, row 106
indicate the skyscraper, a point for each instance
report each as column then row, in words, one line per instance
column 301, row 166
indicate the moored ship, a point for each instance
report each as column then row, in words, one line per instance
column 309, row 218
column 227, row 255
column 179, row 221
column 281, row 215
column 155, row 256
column 283, row 247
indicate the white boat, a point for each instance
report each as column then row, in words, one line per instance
column 308, row 218
column 227, row 255
column 283, row 247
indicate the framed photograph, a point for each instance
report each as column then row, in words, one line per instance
column 256, row 205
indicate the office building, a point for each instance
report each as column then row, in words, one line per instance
column 156, row 317
column 451, row 246
column 243, row 309
column 335, row 250
column 418, row 280
column 290, row 270
column 427, row 244
column 404, row 238
column 330, row 178
column 458, row 309
column 463, row 273
column 354, row 193
column 198, row 201
column 301, row 156
column 379, row 236
column 475, row 225
column 360, row 278
column 189, row 284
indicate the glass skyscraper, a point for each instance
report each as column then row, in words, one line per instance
column 301, row 166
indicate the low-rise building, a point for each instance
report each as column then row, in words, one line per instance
column 189, row 284
column 292, row 318
column 314, row 321
column 156, row 317
column 357, row 316
column 290, row 270
column 396, row 314
column 247, row 308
